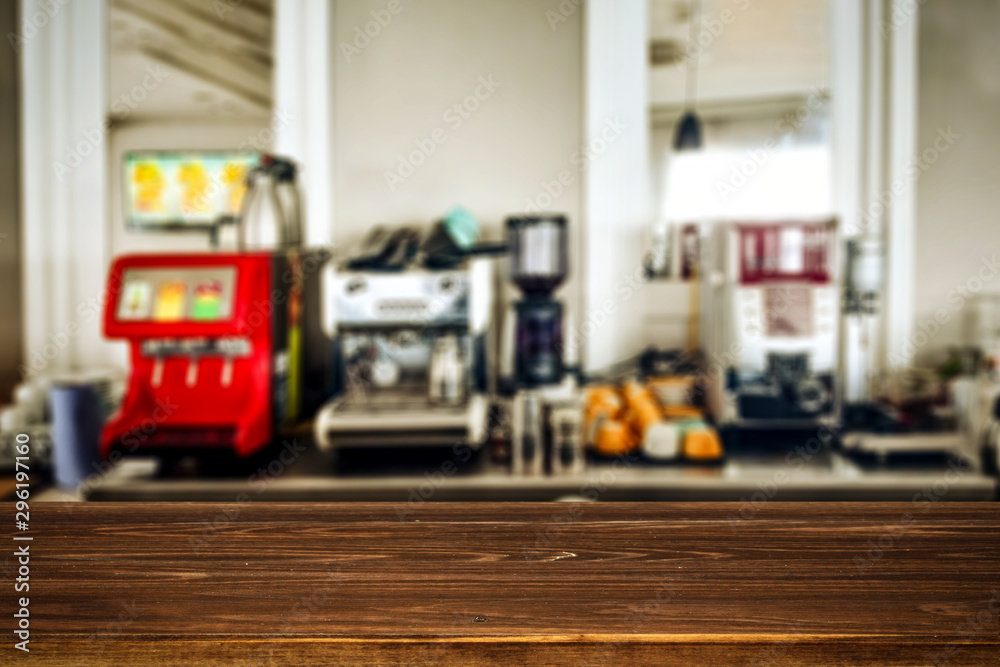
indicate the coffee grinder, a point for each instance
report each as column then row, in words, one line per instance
column 538, row 267
column 537, row 246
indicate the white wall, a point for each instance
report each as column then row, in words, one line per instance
column 433, row 55
column 396, row 89
column 957, row 203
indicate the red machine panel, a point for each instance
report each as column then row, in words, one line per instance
column 200, row 334
column 792, row 252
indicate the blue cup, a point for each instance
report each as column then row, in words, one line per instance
column 77, row 419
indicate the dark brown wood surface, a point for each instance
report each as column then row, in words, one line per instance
column 511, row 584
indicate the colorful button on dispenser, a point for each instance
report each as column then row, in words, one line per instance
column 170, row 298
column 207, row 303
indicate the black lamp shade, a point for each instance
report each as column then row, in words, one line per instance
column 688, row 132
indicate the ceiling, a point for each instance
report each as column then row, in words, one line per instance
column 212, row 59
column 218, row 60
column 769, row 53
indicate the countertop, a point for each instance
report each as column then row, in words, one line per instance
column 827, row 475
column 253, row 583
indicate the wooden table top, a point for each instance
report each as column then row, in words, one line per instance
column 249, row 583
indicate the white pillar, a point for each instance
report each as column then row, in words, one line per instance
column 874, row 73
column 64, row 181
column 303, row 92
column 616, row 206
column 901, row 134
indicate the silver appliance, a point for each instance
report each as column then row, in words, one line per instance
column 411, row 357
column 770, row 323
column 271, row 217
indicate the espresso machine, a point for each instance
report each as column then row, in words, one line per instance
column 771, row 308
column 411, row 356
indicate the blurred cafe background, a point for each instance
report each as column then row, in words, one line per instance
column 425, row 250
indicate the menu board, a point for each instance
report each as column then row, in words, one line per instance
column 177, row 295
column 177, row 190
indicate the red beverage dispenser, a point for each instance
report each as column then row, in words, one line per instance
column 226, row 350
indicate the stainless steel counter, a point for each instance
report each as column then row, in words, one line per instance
column 751, row 479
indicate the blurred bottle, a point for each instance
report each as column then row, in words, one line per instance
column 658, row 260
column 446, row 372
column 271, row 216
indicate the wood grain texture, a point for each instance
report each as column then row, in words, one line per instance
column 506, row 584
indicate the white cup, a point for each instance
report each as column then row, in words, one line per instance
column 12, row 419
column 30, row 397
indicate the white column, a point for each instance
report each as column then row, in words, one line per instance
column 64, row 181
column 874, row 72
column 616, row 206
column 901, row 219
column 303, row 93
column 847, row 76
